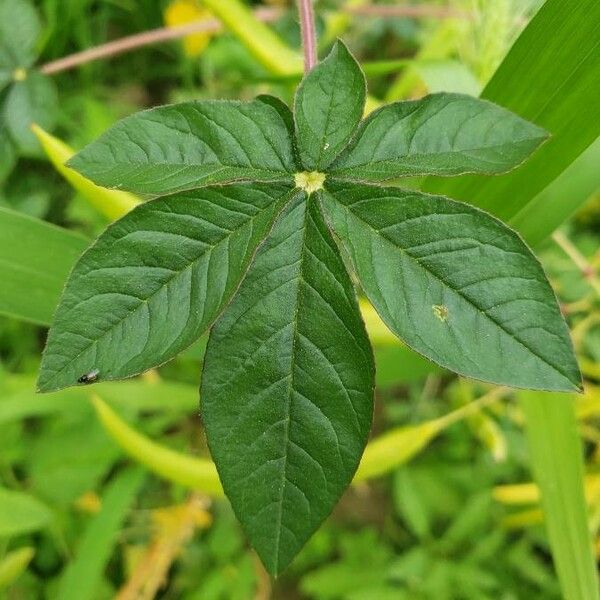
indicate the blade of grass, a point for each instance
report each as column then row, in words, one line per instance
column 556, row 460
column 557, row 202
column 381, row 456
column 199, row 474
column 14, row 564
column 550, row 77
column 82, row 577
column 35, row 259
column 266, row 46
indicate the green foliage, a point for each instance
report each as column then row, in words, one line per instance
column 442, row 134
column 288, row 375
column 201, row 244
column 503, row 294
column 20, row 29
column 428, row 531
column 185, row 146
column 548, row 77
column 556, row 452
column 328, row 106
column 13, row 565
column 81, row 580
column 30, row 97
column 41, row 257
column 287, row 387
column 21, row 513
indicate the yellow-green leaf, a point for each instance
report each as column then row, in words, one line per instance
column 111, row 203
column 196, row 473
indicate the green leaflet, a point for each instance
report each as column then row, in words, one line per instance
column 288, row 387
column 19, row 32
column 442, row 134
column 155, row 280
column 328, row 106
column 33, row 100
column 185, row 146
column 455, row 284
column 288, row 373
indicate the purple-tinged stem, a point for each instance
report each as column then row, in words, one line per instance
column 309, row 35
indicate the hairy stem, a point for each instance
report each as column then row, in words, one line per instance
column 309, row 35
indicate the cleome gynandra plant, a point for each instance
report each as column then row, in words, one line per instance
column 259, row 212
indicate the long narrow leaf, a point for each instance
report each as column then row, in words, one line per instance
column 199, row 474
column 267, row 47
column 381, row 456
column 550, row 77
column 35, row 259
column 556, row 460
column 111, row 203
column 83, row 575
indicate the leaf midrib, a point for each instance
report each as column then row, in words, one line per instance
column 408, row 155
column 291, row 388
column 458, row 292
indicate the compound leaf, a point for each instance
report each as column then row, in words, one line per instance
column 287, row 388
column 455, row 284
column 155, row 280
column 188, row 145
column 329, row 105
column 441, row 134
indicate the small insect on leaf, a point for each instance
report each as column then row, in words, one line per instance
column 89, row 377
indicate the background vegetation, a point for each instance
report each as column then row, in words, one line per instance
column 94, row 503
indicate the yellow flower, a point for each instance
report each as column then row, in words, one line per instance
column 182, row 12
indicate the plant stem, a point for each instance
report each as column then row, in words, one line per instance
column 309, row 35
column 146, row 38
column 264, row 14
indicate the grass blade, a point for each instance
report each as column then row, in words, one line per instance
column 549, row 78
column 556, row 460
column 35, row 259
column 83, row 575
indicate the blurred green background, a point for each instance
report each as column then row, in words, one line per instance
column 449, row 513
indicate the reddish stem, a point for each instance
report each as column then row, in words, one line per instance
column 146, row 38
column 309, row 35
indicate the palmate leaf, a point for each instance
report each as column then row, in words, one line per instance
column 288, row 375
column 185, row 146
column 155, row 280
column 288, row 387
column 455, row 284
